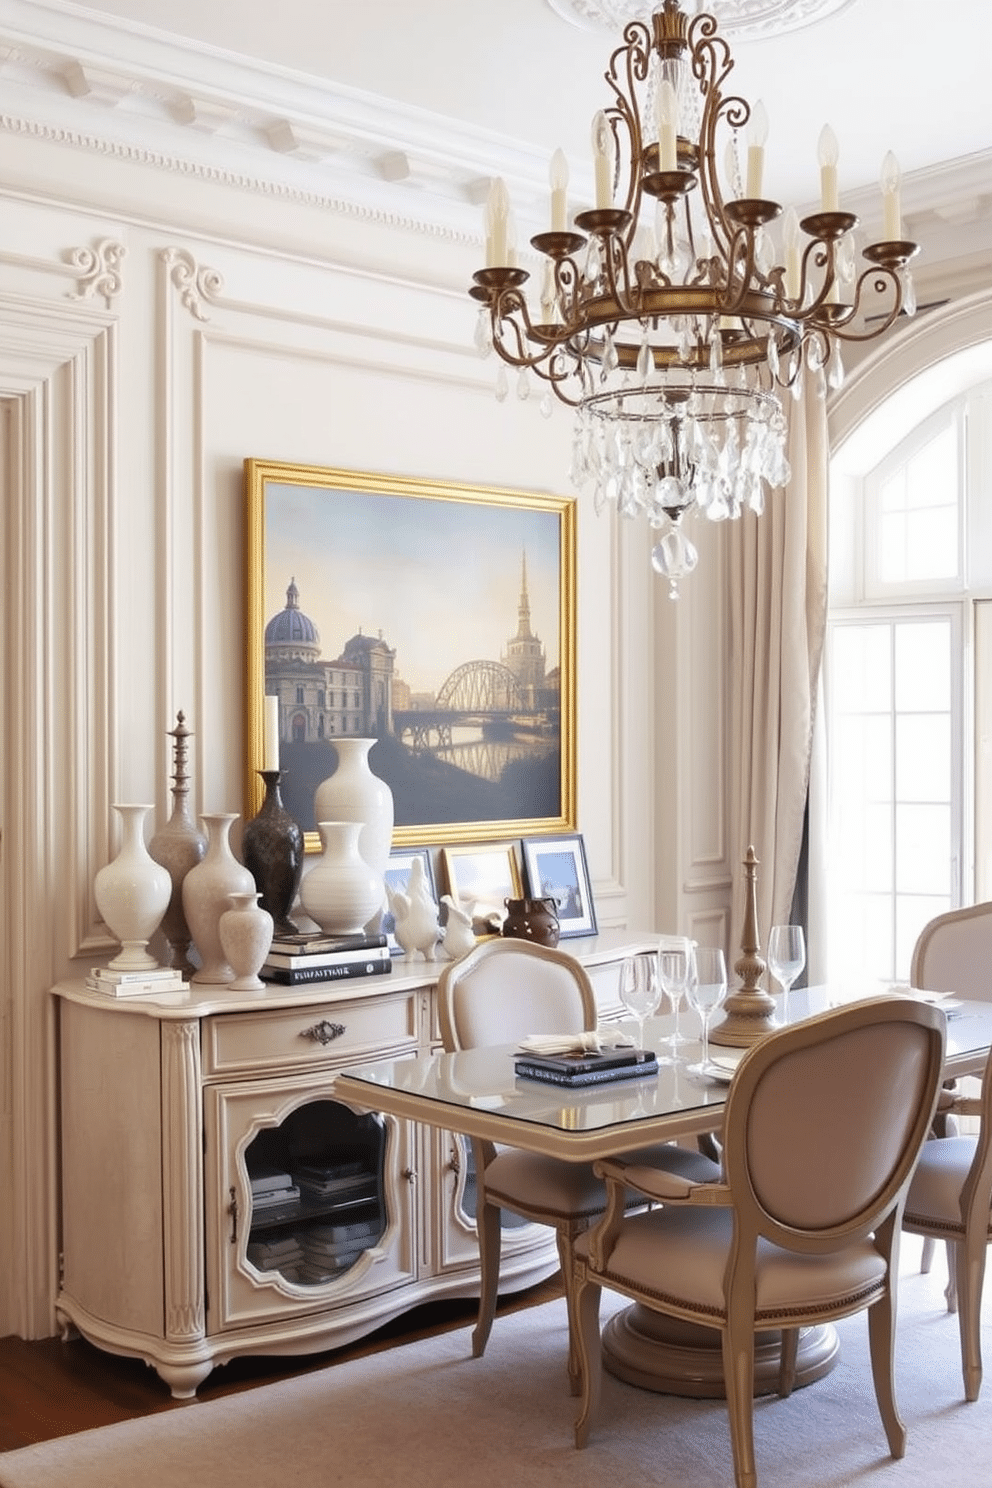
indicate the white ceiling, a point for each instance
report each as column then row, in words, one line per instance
column 481, row 76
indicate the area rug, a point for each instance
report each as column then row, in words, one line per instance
column 428, row 1415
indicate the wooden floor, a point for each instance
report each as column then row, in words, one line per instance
column 50, row 1388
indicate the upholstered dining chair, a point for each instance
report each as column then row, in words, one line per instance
column 953, row 953
column 500, row 992
column 823, row 1125
column 950, row 1198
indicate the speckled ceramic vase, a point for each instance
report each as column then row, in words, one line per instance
column 245, row 935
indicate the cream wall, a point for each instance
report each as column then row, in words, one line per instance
column 156, row 329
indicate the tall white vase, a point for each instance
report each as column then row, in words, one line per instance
column 207, row 888
column 354, row 793
column 341, row 891
column 132, row 893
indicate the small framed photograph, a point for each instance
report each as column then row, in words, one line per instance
column 480, row 879
column 556, row 869
column 397, row 876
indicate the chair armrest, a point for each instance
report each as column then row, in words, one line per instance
column 665, row 1188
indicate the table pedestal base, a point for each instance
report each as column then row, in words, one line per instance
column 661, row 1353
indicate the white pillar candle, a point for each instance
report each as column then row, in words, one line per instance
column 790, row 233
column 828, row 169
column 496, row 217
column 602, row 146
column 757, row 135
column 892, row 210
column 270, row 742
column 559, row 192
column 667, row 118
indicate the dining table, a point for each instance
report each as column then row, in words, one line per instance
column 477, row 1093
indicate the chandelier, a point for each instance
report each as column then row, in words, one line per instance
column 669, row 315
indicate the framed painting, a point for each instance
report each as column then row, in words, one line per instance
column 397, row 876
column 556, row 869
column 480, row 877
column 438, row 619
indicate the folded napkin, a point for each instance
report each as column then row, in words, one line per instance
column 592, row 1042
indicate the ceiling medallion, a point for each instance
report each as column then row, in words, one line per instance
column 745, row 18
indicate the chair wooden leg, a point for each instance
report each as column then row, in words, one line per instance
column 566, row 1258
column 951, row 1290
column 490, row 1241
column 586, row 1303
column 881, row 1339
column 787, row 1362
column 970, row 1275
column 738, row 1376
column 926, row 1255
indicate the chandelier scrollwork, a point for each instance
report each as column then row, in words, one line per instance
column 672, row 322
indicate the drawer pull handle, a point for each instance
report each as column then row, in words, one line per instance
column 410, row 1174
column 233, row 1212
column 454, row 1162
column 323, row 1032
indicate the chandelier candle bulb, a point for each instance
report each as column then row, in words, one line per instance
column 891, row 177
column 602, row 145
column 757, row 136
column 497, row 219
column 270, row 744
column 828, row 153
column 559, row 190
column 668, row 126
column 790, row 235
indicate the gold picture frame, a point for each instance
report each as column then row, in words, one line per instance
column 480, row 877
column 436, row 617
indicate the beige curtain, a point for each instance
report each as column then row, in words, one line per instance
column 778, row 586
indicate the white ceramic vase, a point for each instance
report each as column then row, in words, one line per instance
column 132, row 893
column 207, row 888
column 341, row 891
column 354, row 793
column 245, row 935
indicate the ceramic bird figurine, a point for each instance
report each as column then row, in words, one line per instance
column 415, row 913
column 459, row 936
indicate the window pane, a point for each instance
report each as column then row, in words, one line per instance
column 923, row 666
column 861, row 672
column 923, row 757
column 913, row 911
column 923, row 849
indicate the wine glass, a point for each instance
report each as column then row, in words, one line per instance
column 640, row 990
column 786, row 957
column 674, row 966
column 707, row 989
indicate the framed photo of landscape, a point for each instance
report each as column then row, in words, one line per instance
column 556, row 869
column 436, row 618
column 480, row 878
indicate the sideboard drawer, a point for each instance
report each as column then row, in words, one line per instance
column 382, row 1027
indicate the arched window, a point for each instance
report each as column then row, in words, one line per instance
column 904, row 688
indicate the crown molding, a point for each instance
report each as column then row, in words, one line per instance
column 131, row 91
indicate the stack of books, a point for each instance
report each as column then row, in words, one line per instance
column 295, row 959
column 330, row 1249
column 274, row 1195
column 336, row 1184
column 135, row 983
column 587, row 1069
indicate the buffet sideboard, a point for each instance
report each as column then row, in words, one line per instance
column 217, row 1200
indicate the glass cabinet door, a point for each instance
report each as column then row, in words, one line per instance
column 306, row 1201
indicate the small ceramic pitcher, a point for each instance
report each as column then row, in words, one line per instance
column 535, row 920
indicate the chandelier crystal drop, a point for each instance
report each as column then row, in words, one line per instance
column 674, row 313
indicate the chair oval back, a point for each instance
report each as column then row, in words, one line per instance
column 503, row 990
column 953, row 953
column 825, row 1119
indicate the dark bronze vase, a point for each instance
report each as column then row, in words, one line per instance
column 272, row 849
column 535, row 920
